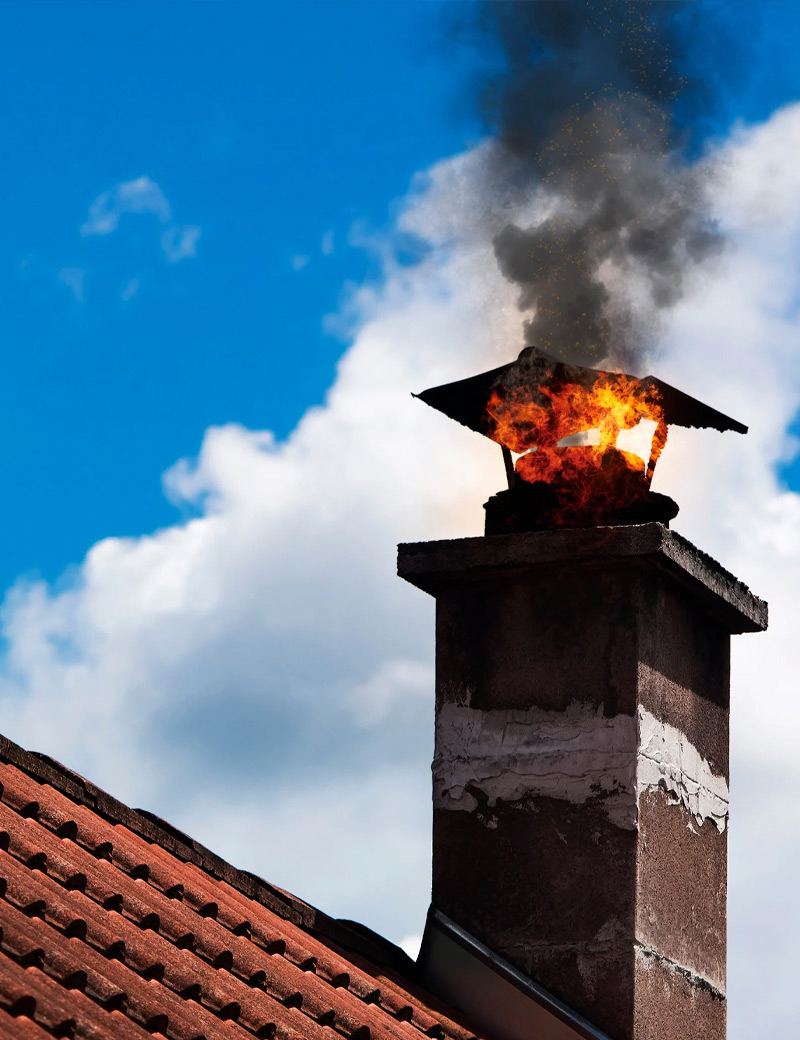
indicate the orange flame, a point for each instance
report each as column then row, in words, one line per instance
column 590, row 481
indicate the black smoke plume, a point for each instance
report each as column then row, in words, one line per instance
column 591, row 114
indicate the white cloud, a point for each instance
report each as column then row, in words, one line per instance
column 180, row 243
column 327, row 244
column 130, row 289
column 299, row 261
column 73, row 278
column 265, row 656
column 411, row 944
column 141, row 195
column 374, row 700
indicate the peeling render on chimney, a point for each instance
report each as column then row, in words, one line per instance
column 668, row 759
column 574, row 755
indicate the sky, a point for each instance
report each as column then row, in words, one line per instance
column 236, row 237
column 268, row 141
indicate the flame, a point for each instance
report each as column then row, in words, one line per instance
column 590, row 482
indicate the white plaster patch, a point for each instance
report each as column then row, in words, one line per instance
column 572, row 755
column 666, row 757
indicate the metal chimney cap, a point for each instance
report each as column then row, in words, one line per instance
column 465, row 400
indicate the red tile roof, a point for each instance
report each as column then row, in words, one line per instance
column 117, row 926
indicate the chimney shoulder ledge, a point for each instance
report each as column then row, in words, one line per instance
column 429, row 564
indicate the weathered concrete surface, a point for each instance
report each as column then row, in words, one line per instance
column 581, row 764
column 427, row 564
column 511, row 876
column 682, row 889
column 669, row 1003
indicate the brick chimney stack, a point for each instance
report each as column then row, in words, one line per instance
column 580, row 774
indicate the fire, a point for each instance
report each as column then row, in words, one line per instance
column 589, row 481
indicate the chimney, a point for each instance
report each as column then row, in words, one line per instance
column 580, row 772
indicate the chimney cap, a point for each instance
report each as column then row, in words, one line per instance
column 465, row 400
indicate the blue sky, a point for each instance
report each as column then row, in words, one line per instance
column 279, row 130
column 190, row 192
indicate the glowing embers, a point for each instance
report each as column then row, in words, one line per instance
column 577, row 486
column 585, row 483
column 535, row 407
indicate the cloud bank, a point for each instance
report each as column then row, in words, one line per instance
column 259, row 676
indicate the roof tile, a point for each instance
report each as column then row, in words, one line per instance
column 22, row 1028
column 113, row 926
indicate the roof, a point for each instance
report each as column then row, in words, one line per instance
column 115, row 924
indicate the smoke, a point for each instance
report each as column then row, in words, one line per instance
column 591, row 109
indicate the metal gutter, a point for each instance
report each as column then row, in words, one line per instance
column 493, row 994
